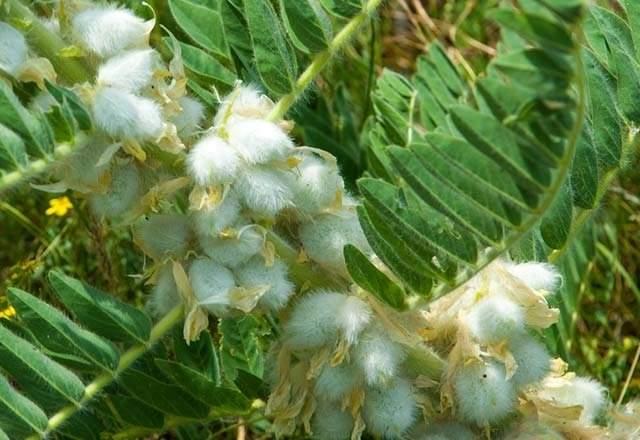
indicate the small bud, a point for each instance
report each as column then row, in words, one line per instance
column 317, row 185
column 259, row 141
column 123, row 115
column 130, row 71
column 234, row 250
column 537, row 276
column 334, row 383
column 532, row 358
column 390, row 411
column 124, row 191
column 331, row 423
column 312, row 322
column 255, row 273
column 212, row 162
column 378, row 356
column 494, row 319
column 188, row 120
column 483, row 393
column 13, row 49
column 264, row 191
column 108, row 30
column 211, row 285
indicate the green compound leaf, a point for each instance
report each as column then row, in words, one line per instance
column 307, row 24
column 19, row 417
column 202, row 24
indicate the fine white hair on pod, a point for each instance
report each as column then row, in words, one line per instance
column 495, row 318
column 131, row 71
column 317, row 185
column 532, row 357
column 537, row 276
column 259, row 141
column 483, row 393
column 189, row 119
column 378, row 356
column 390, row 411
column 330, row 422
column 124, row 190
column 108, row 30
column 233, row 251
column 256, row 273
column 211, row 285
column 209, row 222
column 212, row 161
column 164, row 296
column 353, row 317
column 334, row 383
column 582, row 391
column 265, row 191
column 13, row 49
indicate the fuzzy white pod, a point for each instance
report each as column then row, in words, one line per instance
column 124, row 191
column 331, row 423
column 582, row 391
column 255, row 273
column 234, row 251
column 390, row 411
column 123, row 115
column 212, row 161
column 483, row 394
column 537, row 276
column 324, row 238
column 378, row 356
column 495, row 318
column 164, row 296
column 352, row 318
column 245, row 102
column 211, row 285
column 259, row 141
column 13, row 49
column 447, row 431
column 108, row 30
column 317, row 185
column 131, row 71
column 334, row 383
column 81, row 171
column 163, row 236
column 532, row 358
column 188, row 120
column 312, row 322
column 209, row 222
column 265, row 191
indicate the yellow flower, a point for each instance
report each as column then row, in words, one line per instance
column 59, row 206
column 8, row 313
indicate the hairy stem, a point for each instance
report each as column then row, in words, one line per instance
column 47, row 43
column 321, row 60
column 126, row 360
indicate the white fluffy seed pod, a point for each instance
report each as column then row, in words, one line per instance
column 80, row 171
column 483, row 393
column 538, row 276
column 108, row 30
column 212, row 161
column 352, row 318
column 188, row 120
column 259, row 141
column 495, row 318
column 124, row 191
column 234, row 251
column 163, row 236
column 390, row 411
column 324, row 238
column 13, row 49
column 378, row 356
column 317, row 185
column 582, row 391
column 312, row 322
column 211, row 285
column 131, row 71
column 209, row 222
column 532, row 358
column 447, row 431
column 244, row 102
column 331, row 423
column 164, row 296
column 334, row 383
column 123, row 115
column 255, row 273
column 265, row 191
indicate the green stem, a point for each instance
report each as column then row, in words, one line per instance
column 126, row 360
column 47, row 43
column 321, row 60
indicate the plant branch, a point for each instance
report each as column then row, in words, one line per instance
column 321, row 60
column 126, row 360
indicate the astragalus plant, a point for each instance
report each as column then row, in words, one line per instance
column 433, row 299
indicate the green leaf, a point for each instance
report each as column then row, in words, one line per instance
column 202, row 388
column 32, row 369
column 307, row 24
column 202, row 24
column 67, row 99
column 82, row 426
column 100, row 312
column 136, row 413
column 556, row 224
column 535, row 28
column 274, row 58
column 240, row 346
column 164, row 397
column 58, row 333
column 200, row 62
column 19, row 417
column 13, row 154
column 200, row 355
column 367, row 276
column 632, row 8
column 343, row 8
